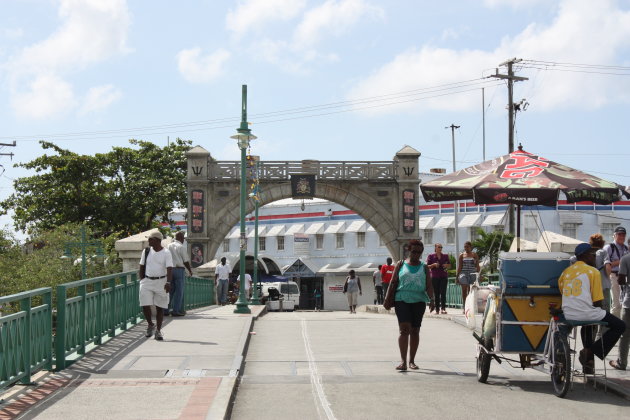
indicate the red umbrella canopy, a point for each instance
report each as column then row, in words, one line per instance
column 520, row 178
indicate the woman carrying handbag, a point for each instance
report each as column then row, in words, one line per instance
column 409, row 292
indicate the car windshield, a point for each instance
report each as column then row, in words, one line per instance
column 289, row 289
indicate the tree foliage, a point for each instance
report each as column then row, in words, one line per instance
column 124, row 190
column 489, row 244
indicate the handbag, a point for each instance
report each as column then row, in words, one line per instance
column 388, row 302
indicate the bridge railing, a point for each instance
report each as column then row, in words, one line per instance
column 454, row 291
column 325, row 170
column 198, row 292
column 25, row 335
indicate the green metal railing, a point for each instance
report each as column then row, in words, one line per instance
column 454, row 291
column 91, row 309
column 198, row 292
column 25, row 335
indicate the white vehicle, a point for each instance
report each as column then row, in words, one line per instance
column 289, row 290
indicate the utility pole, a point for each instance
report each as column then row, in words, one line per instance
column 456, row 203
column 511, row 78
column 10, row 145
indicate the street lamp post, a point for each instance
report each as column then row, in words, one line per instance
column 243, row 136
column 84, row 244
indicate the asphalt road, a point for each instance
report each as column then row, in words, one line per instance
column 334, row 365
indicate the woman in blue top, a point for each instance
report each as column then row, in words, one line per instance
column 413, row 291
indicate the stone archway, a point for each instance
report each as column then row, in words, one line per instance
column 385, row 194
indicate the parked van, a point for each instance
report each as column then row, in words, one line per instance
column 289, row 290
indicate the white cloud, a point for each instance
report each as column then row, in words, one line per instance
column 332, row 17
column 91, row 31
column 517, row 4
column 582, row 32
column 253, row 14
column 100, row 97
column 47, row 96
column 198, row 68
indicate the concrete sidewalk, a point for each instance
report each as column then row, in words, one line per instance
column 192, row 374
column 617, row 381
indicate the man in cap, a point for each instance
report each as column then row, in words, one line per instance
column 624, row 272
column 615, row 251
column 582, row 296
column 156, row 266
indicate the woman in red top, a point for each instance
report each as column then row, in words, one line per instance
column 439, row 263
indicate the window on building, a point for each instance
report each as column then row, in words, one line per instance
column 473, row 234
column 427, row 236
column 530, row 227
column 339, row 240
column 280, row 242
column 319, row 241
column 570, row 230
column 226, row 245
column 262, row 243
column 608, row 230
column 360, row 239
column 450, row 235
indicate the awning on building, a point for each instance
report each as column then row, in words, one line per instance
column 445, row 222
column 494, row 220
column 570, row 217
column 608, row 218
column 426, row 222
column 261, row 231
column 275, row 230
column 371, row 228
column 295, row 228
column 357, row 226
column 470, row 220
column 338, row 227
column 302, row 267
column 315, row 229
column 236, row 233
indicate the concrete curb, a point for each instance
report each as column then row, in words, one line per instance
column 223, row 401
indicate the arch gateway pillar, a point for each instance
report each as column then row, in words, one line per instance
column 384, row 193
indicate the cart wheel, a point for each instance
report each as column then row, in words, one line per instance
column 483, row 361
column 561, row 365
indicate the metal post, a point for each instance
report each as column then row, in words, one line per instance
column 241, row 303
column 456, row 203
column 256, row 297
column 83, row 263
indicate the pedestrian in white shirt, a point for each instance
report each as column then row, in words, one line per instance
column 179, row 252
column 222, row 280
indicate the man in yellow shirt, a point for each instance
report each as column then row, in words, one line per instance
column 582, row 298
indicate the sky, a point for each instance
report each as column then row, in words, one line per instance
column 333, row 80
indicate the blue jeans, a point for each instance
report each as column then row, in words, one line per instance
column 176, row 303
column 222, row 289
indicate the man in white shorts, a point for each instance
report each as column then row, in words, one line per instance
column 156, row 265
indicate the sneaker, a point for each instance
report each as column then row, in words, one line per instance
column 150, row 330
column 178, row 313
column 158, row 335
column 616, row 365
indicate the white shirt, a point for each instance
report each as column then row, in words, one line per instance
column 157, row 262
column 248, row 280
column 223, row 271
column 179, row 251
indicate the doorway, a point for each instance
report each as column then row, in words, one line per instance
column 307, row 292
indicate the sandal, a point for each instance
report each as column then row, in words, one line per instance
column 616, row 365
column 444, row 312
column 401, row 367
column 413, row 366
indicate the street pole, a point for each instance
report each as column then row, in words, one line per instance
column 511, row 78
column 256, row 296
column 483, row 121
column 244, row 136
column 456, row 203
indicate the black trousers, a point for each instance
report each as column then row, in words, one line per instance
column 379, row 294
column 439, row 290
column 602, row 347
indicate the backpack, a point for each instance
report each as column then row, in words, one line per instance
column 613, row 246
column 146, row 254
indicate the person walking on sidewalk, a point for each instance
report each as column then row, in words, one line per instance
column 156, row 272
column 222, row 280
column 439, row 263
column 179, row 252
column 582, row 296
column 410, row 290
column 467, row 269
column 387, row 271
column 352, row 288
column 624, row 343
column 377, row 278
column 615, row 251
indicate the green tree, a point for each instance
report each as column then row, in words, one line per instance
column 489, row 244
column 124, row 190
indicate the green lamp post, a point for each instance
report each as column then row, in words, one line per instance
column 243, row 137
column 256, row 296
column 83, row 244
